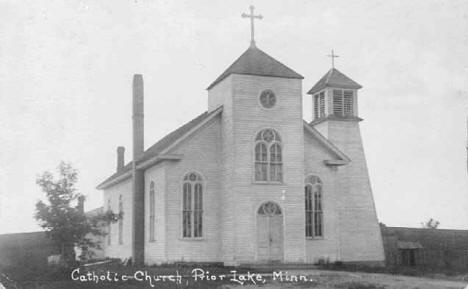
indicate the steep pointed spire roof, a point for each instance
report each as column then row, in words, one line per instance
column 256, row 62
column 334, row 78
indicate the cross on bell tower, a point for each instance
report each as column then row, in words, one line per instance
column 252, row 16
column 333, row 56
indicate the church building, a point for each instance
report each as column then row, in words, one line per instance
column 249, row 181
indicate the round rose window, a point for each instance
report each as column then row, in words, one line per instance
column 268, row 98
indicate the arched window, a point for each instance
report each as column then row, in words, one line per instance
column 109, row 224
column 120, row 220
column 192, row 207
column 268, row 157
column 313, row 207
column 151, row 212
column 269, row 209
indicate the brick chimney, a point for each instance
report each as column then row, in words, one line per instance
column 138, row 122
column 120, row 158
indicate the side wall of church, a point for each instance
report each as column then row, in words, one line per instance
column 360, row 237
column 116, row 250
column 201, row 153
column 326, row 247
column 249, row 118
column 221, row 94
column 155, row 250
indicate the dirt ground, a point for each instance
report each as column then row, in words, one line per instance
column 345, row 280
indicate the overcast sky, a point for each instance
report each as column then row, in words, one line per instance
column 66, row 70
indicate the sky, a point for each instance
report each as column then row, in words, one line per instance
column 65, row 87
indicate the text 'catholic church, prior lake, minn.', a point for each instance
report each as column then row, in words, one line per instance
column 249, row 181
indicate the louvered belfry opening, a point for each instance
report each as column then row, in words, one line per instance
column 319, row 105
column 343, row 103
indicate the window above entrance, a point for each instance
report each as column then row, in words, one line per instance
column 267, row 98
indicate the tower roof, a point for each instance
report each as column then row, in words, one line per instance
column 334, row 78
column 256, row 62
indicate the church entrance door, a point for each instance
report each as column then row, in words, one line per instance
column 269, row 233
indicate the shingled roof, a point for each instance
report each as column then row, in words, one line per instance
column 161, row 145
column 334, row 78
column 256, row 62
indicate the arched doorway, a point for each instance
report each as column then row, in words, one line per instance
column 269, row 233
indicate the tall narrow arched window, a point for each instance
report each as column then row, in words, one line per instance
column 152, row 212
column 109, row 224
column 120, row 220
column 313, row 207
column 268, row 157
column 192, row 207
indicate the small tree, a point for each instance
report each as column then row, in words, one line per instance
column 62, row 216
column 430, row 224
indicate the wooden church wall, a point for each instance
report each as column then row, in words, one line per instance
column 358, row 223
column 324, row 248
column 201, row 153
column 116, row 250
column 155, row 249
column 249, row 118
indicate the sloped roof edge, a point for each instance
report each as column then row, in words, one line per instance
column 334, row 78
column 328, row 144
column 157, row 152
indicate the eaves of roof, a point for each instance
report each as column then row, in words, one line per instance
column 159, row 151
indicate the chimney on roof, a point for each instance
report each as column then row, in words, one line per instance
column 120, row 158
column 138, row 122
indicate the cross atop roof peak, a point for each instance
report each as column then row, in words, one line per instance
column 333, row 56
column 252, row 16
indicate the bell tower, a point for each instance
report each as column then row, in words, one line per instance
column 335, row 116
